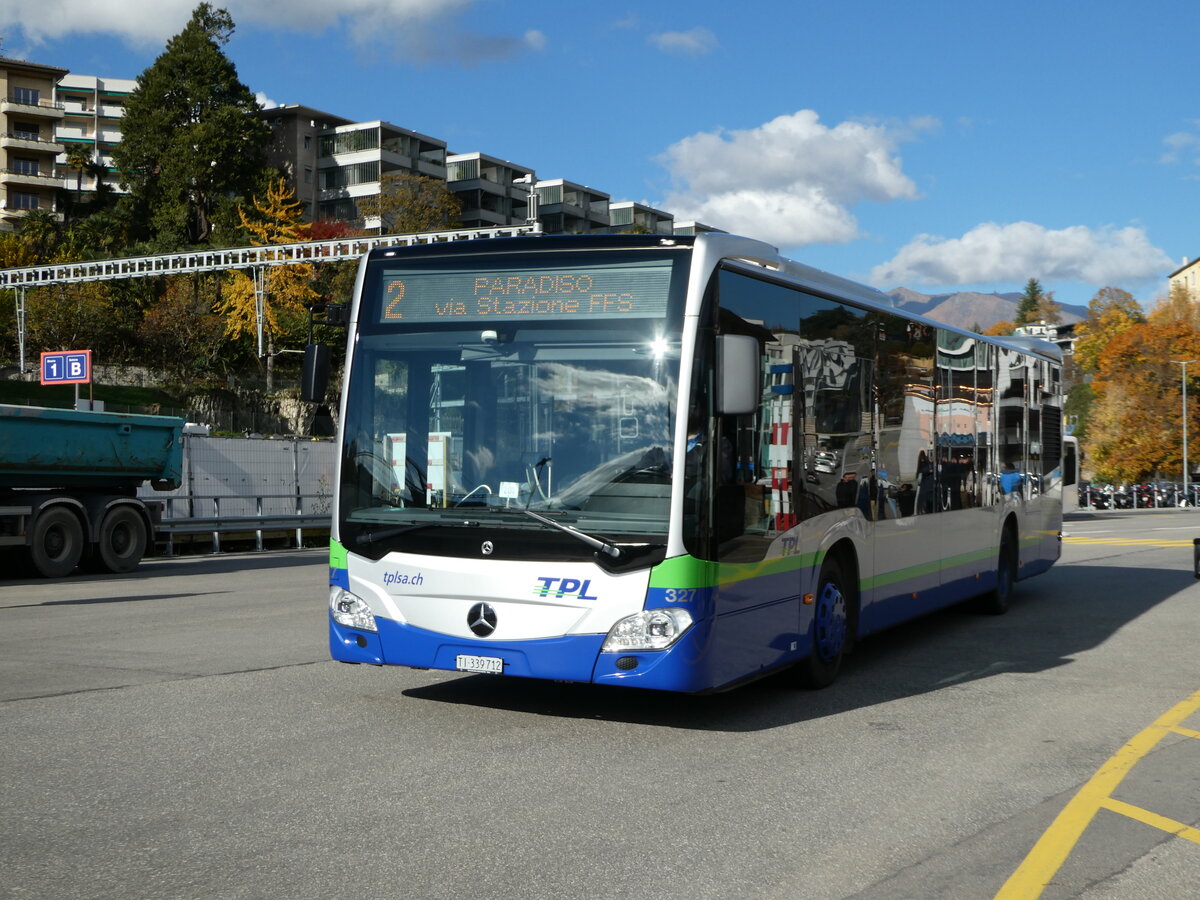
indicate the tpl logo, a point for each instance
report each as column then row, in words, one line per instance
column 566, row 587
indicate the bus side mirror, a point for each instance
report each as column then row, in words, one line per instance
column 738, row 370
column 315, row 378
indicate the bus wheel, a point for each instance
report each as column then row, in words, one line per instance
column 995, row 602
column 830, row 628
column 122, row 539
column 56, row 544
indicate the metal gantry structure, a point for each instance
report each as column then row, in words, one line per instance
column 257, row 259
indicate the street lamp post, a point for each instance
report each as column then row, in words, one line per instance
column 1183, row 378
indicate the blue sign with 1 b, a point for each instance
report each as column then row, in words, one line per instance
column 67, row 367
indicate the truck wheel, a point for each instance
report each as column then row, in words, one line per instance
column 56, row 543
column 122, row 539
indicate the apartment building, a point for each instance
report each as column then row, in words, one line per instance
column 1061, row 334
column 565, row 207
column 352, row 160
column 628, row 216
column 494, row 192
column 295, row 148
column 693, row 227
column 29, row 116
column 92, row 111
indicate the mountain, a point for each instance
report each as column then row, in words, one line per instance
column 968, row 309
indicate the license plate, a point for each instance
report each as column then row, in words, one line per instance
column 488, row 665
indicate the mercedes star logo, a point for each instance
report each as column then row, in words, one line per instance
column 482, row 619
column 487, row 548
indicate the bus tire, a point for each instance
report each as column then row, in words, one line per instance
column 996, row 601
column 122, row 540
column 56, row 544
column 831, row 625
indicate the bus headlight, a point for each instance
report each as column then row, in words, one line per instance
column 651, row 629
column 350, row 610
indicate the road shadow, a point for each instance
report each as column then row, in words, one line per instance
column 88, row 601
column 16, row 572
column 1053, row 618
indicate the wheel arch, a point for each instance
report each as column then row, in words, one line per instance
column 845, row 553
column 105, row 505
column 56, row 501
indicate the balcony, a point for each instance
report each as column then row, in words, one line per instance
column 44, row 109
column 47, row 179
column 23, row 141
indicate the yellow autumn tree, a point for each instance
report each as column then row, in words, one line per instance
column 275, row 219
column 1110, row 312
column 1135, row 431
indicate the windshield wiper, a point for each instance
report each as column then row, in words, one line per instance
column 595, row 543
column 383, row 534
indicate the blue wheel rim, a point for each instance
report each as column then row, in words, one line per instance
column 830, row 622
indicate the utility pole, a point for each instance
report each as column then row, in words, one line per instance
column 1183, row 377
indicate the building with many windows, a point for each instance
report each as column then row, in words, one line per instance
column 92, row 111
column 493, row 192
column 639, row 218
column 29, row 117
column 353, row 159
column 295, row 144
column 565, row 207
column 693, row 227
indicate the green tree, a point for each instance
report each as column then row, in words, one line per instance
column 1048, row 310
column 192, row 141
column 78, row 158
column 1027, row 306
column 41, row 234
column 408, row 203
column 183, row 337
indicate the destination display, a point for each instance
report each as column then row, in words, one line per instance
column 607, row 291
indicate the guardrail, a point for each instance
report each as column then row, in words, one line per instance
column 258, row 523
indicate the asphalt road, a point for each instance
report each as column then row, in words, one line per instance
column 180, row 732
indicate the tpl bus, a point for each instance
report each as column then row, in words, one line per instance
column 670, row 462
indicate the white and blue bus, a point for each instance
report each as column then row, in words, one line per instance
column 670, row 462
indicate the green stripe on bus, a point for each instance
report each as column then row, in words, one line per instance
column 337, row 555
column 689, row 572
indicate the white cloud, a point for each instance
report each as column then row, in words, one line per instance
column 136, row 21
column 693, row 42
column 1182, row 145
column 264, row 102
column 1019, row 251
column 420, row 30
column 790, row 181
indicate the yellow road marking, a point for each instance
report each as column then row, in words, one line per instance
column 1056, row 844
column 1127, row 542
column 1154, row 820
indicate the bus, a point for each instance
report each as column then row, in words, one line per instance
column 676, row 463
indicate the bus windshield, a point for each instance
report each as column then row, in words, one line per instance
column 488, row 389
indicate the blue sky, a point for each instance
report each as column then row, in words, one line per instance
column 932, row 145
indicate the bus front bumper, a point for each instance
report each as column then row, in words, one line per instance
column 568, row 658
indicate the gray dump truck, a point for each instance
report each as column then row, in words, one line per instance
column 69, row 480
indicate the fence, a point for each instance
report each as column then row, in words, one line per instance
column 249, row 486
